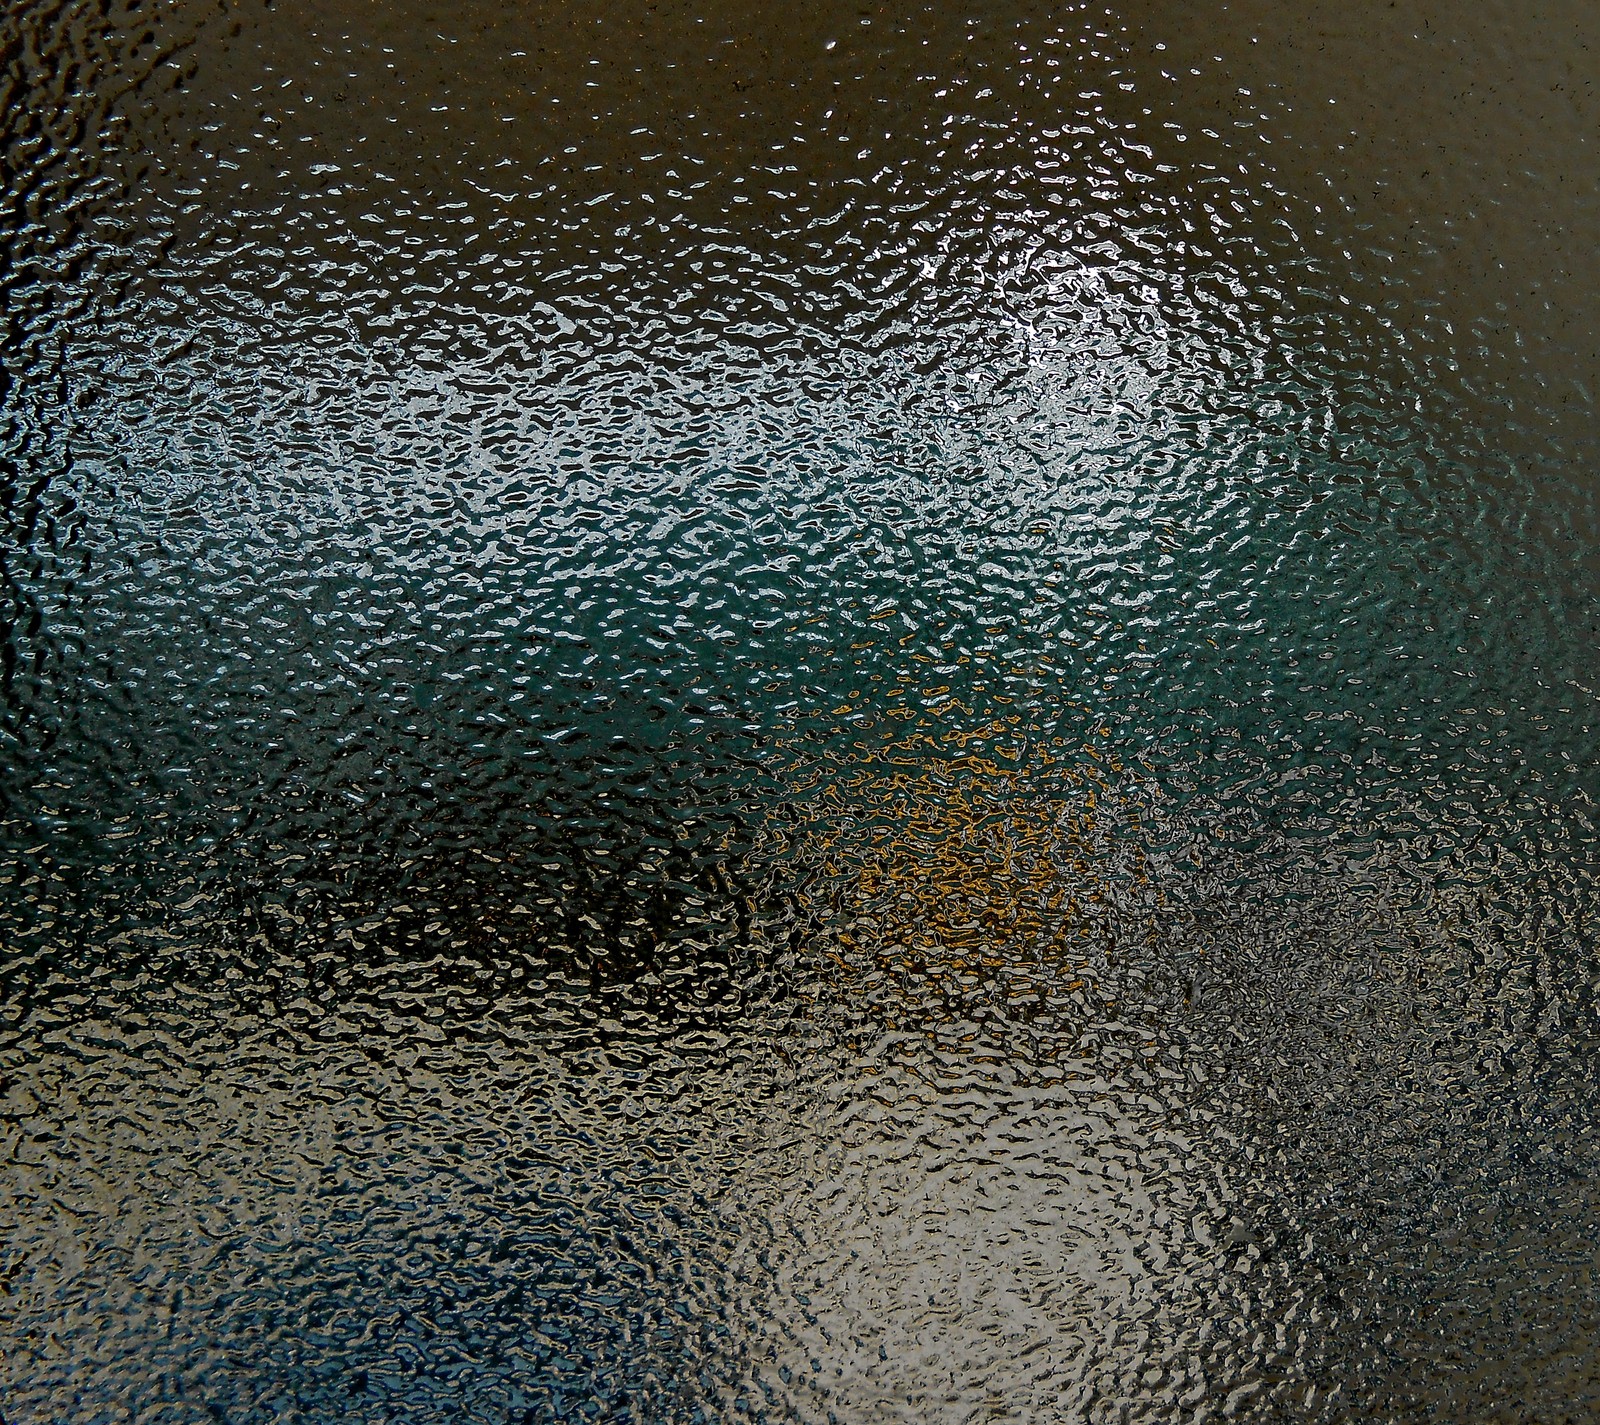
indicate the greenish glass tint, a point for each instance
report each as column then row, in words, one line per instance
column 853, row 716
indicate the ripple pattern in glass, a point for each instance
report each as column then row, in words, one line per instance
column 829, row 717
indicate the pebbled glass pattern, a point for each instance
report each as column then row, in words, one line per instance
column 843, row 716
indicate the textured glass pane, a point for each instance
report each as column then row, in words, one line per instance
column 838, row 714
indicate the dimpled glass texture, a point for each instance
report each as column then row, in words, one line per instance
column 843, row 713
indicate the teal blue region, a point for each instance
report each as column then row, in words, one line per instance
column 1240, row 575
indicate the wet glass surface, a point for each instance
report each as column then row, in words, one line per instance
column 873, row 714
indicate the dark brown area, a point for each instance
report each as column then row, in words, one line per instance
column 1450, row 151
